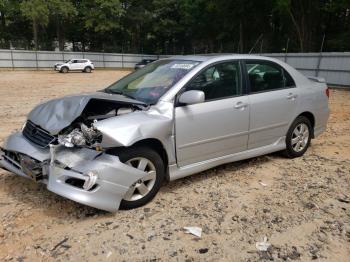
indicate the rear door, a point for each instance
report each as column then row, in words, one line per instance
column 273, row 100
column 218, row 126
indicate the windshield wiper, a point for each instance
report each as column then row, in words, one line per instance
column 118, row 92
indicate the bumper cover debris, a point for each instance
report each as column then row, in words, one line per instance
column 83, row 175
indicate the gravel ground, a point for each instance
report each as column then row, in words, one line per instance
column 302, row 205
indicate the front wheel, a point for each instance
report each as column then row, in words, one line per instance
column 298, row 137
column 64, row 70
column 143, row 190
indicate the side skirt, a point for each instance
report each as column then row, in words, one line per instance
column 176, row 172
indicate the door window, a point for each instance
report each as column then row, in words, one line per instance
column 218, row 81
column 267, row 76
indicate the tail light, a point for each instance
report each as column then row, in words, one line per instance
column 327, row 92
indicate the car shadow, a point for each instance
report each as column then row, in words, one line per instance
column 36, row 196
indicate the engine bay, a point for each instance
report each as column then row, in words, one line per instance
column 81, row 131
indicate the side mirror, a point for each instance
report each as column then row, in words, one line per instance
column 192, row 97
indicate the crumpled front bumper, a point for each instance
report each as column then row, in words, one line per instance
column 61, row 165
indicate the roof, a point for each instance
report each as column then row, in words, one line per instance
column 206, row 57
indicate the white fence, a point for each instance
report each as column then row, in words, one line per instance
column 46, row 59
column 334, row 67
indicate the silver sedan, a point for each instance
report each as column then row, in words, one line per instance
column 173, row 118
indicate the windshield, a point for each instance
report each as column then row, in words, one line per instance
column 148, row 84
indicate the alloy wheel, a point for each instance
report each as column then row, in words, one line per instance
column 144, row 185
column 300, row 137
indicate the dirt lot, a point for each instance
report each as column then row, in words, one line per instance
column 302, row 206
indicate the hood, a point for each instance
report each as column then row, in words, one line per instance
column 55, row 115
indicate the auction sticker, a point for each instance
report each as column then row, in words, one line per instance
column 183, row 66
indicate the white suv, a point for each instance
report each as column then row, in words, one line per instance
column 84, row 65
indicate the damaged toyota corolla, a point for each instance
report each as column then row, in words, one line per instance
column 175, row 117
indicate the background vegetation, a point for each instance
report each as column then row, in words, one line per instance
column 176, row 26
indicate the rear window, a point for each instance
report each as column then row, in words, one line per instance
column 267, row 76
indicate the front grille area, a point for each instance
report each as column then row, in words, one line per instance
column 37, row 135
column 12, row 158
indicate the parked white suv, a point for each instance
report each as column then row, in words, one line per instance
column 74, row 64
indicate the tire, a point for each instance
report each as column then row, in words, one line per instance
column 135, row 197
column 87, row 69
column 298, row 137
column 64, row 69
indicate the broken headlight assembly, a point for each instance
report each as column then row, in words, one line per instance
column 83, row 136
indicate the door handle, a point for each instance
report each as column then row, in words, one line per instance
column 240, row 105
column 291, row 96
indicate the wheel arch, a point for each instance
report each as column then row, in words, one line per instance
column 64, row 67
column 311, row 118
column 157, row 146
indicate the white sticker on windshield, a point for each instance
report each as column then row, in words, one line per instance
column 182, row 66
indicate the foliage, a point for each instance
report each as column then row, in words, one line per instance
column 102, row 15
column 177, row 26
column 36, row 10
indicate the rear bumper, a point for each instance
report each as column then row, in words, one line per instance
column 61, row 166
column 321, row 121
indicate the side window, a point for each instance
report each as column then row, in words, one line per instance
column 289, row 82
column 74, row 61
column 266, row 76
column 218, row 81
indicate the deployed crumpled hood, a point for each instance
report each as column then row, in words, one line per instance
column 57, row 114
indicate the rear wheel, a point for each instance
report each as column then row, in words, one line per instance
column 143, row 190
column 87, row 69
column 298, row 137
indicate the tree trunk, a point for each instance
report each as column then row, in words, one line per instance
column 3, row 30
column 241, row 44
column 60, row 35
column 35, row 34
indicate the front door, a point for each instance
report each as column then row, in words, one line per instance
column 218, row 126
column 74, row 65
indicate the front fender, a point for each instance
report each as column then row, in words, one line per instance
column 125, row 130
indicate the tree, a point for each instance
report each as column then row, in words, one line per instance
column 38, row 12
column 304, row 16
column 337, row 24
column 177, row 26
column 102, row 15
column 61, row 11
